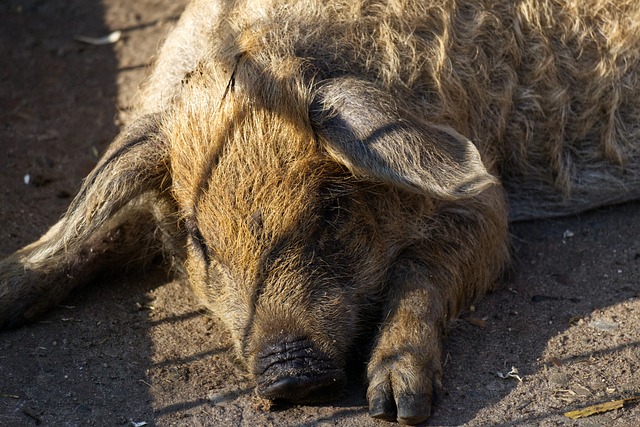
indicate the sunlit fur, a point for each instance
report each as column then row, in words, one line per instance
column 271, row 169
column 331, row 169
column 547, row 90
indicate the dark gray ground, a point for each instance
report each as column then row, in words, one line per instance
column 137, row 348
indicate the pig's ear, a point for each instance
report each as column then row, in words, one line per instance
column 111, row 222
column 135, row 163
column 363, row 129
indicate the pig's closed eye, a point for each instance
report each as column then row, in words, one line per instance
column 197, row 239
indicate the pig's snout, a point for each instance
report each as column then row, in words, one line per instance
column 294, row 371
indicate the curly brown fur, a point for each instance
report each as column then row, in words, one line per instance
column 322, row 171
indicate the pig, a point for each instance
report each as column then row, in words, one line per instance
column 324, row 172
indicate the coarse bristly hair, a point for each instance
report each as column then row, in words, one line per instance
column 323, row 172
column 546, row 90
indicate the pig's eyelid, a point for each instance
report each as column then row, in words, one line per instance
column 197, row 238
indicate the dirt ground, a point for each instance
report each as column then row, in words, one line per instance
column 137, row 349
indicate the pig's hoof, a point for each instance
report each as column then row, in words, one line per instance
column 294, row 371
column 406, row 398
column 382, row 407
column 407, row 409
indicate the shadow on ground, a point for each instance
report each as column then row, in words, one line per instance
column 58, row 102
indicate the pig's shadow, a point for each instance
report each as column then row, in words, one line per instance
column 57, row 112
column 565, row 270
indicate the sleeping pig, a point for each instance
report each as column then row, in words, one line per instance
column 324, row 171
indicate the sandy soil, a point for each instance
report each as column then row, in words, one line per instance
column 138, row 348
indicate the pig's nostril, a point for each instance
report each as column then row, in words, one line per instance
column 294, row 371
column 301, row 389
column 287, row 386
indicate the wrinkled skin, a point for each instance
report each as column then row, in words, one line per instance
column 324, row 173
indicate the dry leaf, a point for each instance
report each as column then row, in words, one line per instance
column 600, row 408
column 10, row 396
column 603, row 325
column 477, row 321
column 555, row 361
column 513, row 373
column 568, row 396
column 97, row 41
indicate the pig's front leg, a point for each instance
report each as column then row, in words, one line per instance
column 405, row 369
column 463, row 251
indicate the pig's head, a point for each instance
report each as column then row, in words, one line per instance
column 296, row 202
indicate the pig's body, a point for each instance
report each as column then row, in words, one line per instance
column 321, row 171
column 547, row 92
